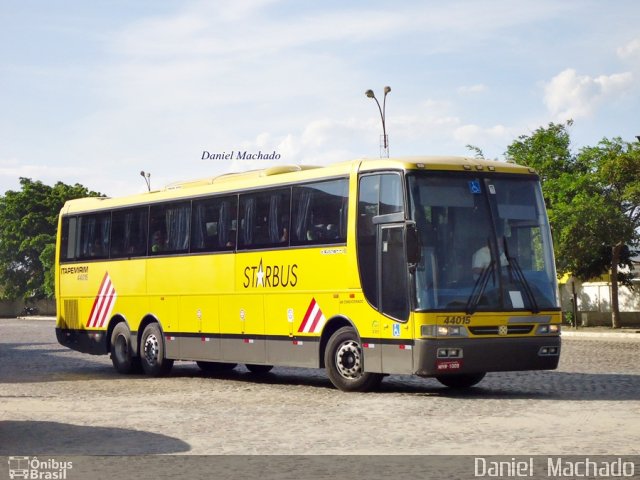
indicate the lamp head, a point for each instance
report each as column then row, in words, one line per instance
column 387, row 89
column 369, row 93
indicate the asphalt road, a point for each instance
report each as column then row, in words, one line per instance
column 54, row 401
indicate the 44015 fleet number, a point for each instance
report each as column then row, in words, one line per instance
column 457, row 320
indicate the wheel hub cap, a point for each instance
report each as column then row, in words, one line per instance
column 151, row 349
column 348, row 360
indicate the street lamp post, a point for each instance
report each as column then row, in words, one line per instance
column 147, row 179
column 384, row 145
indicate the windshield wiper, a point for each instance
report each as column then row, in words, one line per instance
column 513, row 263
column 479, row 287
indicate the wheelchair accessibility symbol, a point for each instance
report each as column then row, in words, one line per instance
column 474, row 187
column 396, row 329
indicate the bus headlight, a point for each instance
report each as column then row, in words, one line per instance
column 548, row 330
column 443, row 331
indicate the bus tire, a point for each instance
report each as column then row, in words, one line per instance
column 216, row 367
column 152, row 353
column 461, row 381
column 344, row 363
column 121, row 352
column 258, row 369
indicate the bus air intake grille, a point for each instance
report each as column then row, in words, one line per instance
column 71, row 312
column 495, row 330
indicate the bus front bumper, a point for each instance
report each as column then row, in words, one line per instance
column 447, row 356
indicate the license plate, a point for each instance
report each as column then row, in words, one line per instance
column 448, row 365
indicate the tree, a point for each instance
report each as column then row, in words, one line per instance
column 477, row 151
column 593, row 200
column 615, row 166
column 28, row 223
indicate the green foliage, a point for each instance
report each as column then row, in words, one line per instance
column 593, row 200
column 48, row 260
column 28, row 222
column 568, row 318
column 477, row 151
column 547, row 150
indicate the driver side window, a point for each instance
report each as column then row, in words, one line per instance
column 378, row 194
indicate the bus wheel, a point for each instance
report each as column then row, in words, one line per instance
column 152, row 356
column 121, row 351
column 258, row 369
column 344, row 363
column 460, row 381
column 215, row 367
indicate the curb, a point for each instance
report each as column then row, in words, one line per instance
column 619, row 335
column 37, row 318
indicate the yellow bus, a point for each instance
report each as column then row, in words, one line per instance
column 434, row 266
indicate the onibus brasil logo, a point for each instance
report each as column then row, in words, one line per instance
column 33, row 468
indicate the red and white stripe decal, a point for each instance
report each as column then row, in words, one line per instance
column 103, row 303
column 249, row 340
column 313, row 320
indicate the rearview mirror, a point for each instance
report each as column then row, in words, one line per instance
column 413, row 243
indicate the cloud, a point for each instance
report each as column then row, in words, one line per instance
column 570, row 95
column 630, row 50
column 471, row 89
column 488, row 139
column 203, row 29
column 14, row 168
column 267, row 75
column 319, row 142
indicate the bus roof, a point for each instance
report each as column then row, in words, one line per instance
column 232, row 182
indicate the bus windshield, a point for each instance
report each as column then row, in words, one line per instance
column 485, row 243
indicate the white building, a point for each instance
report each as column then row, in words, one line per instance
column 594, row 300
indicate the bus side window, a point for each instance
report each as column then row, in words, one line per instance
column 319, row 213
column 68, row 239
column 129, row 236
column 212, row 224
column 94, row 234
column 264, row 219
column 169, row 228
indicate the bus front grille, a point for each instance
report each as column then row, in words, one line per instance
column 495, row 330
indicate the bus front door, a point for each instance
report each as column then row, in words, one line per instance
column 393, row 294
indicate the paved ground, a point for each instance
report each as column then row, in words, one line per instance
column 59, row 402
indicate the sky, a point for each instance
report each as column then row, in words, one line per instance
column 95, row 92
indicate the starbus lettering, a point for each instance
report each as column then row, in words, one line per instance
column 270, row 275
